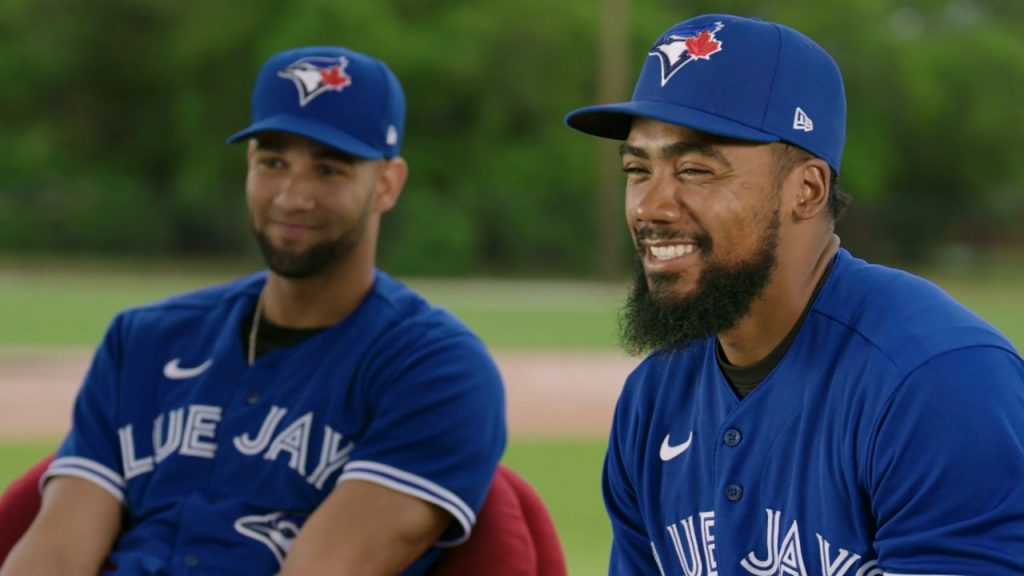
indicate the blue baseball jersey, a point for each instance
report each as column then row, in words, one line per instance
column 889, row 439
column 218, row 463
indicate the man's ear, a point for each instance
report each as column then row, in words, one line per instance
column 390, row 181
column 812, row 197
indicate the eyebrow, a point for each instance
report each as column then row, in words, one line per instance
column 679, row 148
column 319, row 153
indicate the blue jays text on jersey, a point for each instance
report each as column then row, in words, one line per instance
column 889, row 439
column 218, row 464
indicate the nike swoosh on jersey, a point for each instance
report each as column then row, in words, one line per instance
column 174, row 371
column 669, row 451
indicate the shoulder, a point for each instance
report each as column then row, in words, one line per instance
column 405, row 333
column 208, row 304
column 663, row 381
column 400, row 311
column 895, row 314
column 206, row 298
column 663, row 369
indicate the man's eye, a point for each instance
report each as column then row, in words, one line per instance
column 694, row 172
column 328, row 170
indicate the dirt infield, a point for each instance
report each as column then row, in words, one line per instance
column 548, row 393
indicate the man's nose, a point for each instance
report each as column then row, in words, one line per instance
column 657, row 201
column 294, row 194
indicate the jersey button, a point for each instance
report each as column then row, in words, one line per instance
column 733, row 492
column 732, row 437
column 252, row 398
column 191, row 560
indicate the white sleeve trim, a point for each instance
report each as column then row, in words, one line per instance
column 906, row 574
column 90, row 470
column 408, row 483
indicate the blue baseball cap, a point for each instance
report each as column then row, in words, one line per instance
column 737, row 77
column 333, row 95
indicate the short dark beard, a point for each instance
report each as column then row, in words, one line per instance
column 317, row 258
column 657, row 321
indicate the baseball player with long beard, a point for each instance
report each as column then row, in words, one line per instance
column 801, row 412
column 316, row 418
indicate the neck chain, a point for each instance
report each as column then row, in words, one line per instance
column 254, row 330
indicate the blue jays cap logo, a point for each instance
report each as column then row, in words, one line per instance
column 317, row 74
column 684, row 46
column 276, row 531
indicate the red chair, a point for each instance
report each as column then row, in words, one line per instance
column 18, row 506
column 513, row 536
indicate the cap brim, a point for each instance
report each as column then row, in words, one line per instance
column 615, row 120
column 315, row 131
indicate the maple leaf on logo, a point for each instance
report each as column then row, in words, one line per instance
column 703, row 45
column 334, row 77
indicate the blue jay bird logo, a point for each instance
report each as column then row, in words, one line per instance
column 276, row 530
column 683, row 46
column 316, row 75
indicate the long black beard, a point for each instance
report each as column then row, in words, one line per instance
column 314, row 260
column 658, row 320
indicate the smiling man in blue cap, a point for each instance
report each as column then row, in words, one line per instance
column 315, row 418
column 800, row 411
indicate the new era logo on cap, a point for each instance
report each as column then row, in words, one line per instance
column 801, row 121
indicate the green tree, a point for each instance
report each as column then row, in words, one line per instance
column 115, row 114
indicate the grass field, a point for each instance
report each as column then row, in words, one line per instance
column 567, row 473
column 70, row 305
column 57, row 307
column 16, row 456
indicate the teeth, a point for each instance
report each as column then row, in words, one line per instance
column 671, row 251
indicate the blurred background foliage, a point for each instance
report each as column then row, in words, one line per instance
column 113, row 116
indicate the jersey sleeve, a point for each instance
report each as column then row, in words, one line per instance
column 632, row 551
column 90, row 450
column 437, row 430
column 946, row 470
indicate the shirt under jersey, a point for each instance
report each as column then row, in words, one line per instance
column 744, row 379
